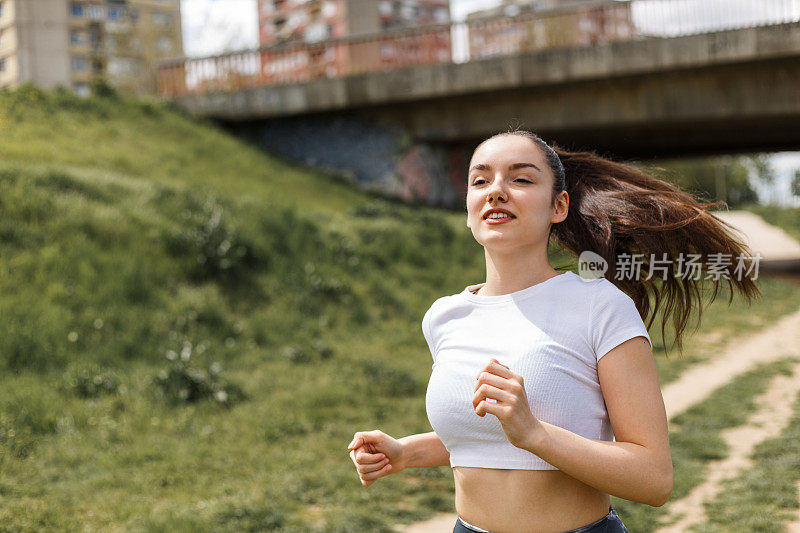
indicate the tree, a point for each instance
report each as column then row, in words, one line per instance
column 726, row 178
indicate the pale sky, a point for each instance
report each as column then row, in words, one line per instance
column 216, row 26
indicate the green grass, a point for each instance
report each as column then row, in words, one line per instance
column 763, row 497
column 695, row 441
column 144, row 139
column 128, row 232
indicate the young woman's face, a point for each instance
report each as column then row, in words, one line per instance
column 510, row 172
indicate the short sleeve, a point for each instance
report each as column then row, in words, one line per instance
column 426, row 331
column 613, row 319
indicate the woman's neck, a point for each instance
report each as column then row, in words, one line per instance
column 507, row 273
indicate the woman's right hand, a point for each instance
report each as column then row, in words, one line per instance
column 375, row 455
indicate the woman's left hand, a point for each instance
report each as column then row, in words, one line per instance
column 498, row 382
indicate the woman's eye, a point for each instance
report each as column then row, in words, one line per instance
column 523, row 179
column 478, row 181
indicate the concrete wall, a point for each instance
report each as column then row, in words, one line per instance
column 42, row 42
column 8, row 45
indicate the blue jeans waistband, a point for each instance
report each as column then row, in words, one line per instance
column 610, row 523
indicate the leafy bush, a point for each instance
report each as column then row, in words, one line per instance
column 271, row 518
column 90, row 381
column 33, row 335
column 386, row 380
column 210, row 241
column 102, row 88
column 318, row 350
column 23, row 421
column 183, row 382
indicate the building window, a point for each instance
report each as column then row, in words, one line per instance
column 76, row 10
column 95, row 12
column 115, row 13
column 1, row 8
column 161, row 19
column 2, row 64
column 122, row 66
column 78, row 63
column 77, row 37
column 164, row 45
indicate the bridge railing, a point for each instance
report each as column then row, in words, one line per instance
column 583, row 25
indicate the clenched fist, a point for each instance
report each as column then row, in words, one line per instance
column 375, row 455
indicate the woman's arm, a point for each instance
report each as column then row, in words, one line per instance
column 424, row 450
column 377, row 454
column 636, row 467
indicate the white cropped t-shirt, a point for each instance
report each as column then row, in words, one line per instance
column 552, row 333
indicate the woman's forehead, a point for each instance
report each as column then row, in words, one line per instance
column 507, row 147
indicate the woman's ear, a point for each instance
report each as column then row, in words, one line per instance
column 562, row 207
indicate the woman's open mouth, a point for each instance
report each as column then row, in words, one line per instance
column 500, row 218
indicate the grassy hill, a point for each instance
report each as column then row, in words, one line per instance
column 192, row 330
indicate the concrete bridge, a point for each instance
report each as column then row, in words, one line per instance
column 409, row 131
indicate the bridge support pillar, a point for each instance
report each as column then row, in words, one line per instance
column 373, row 155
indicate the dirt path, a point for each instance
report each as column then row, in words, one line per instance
column 773, row 243
column 700, row 380
column 773, row 412
column 439, row 523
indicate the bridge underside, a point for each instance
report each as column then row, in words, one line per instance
column 410, row 133
column 728, row 109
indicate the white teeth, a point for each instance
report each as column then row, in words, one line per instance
column 498, row 215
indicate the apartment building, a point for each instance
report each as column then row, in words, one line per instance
column 72, row 42
column 308, row 22
column 317, row 20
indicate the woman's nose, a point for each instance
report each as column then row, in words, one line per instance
column 496, row 192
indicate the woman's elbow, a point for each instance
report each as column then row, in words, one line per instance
column 666, row 488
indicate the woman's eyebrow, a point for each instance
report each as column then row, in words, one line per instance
column 515, row 166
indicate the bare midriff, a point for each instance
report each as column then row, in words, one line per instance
column 526, row 501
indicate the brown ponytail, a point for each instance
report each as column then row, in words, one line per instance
column 617, row 208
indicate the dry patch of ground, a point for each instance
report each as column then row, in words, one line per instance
column 773, row 413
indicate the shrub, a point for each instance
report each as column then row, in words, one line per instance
column 386, row 380
column 102, row 88
column 317, row 350
column 23, row 421
column 183, row 382
column 210, row 241
column 270, row 518
column 90, row 381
